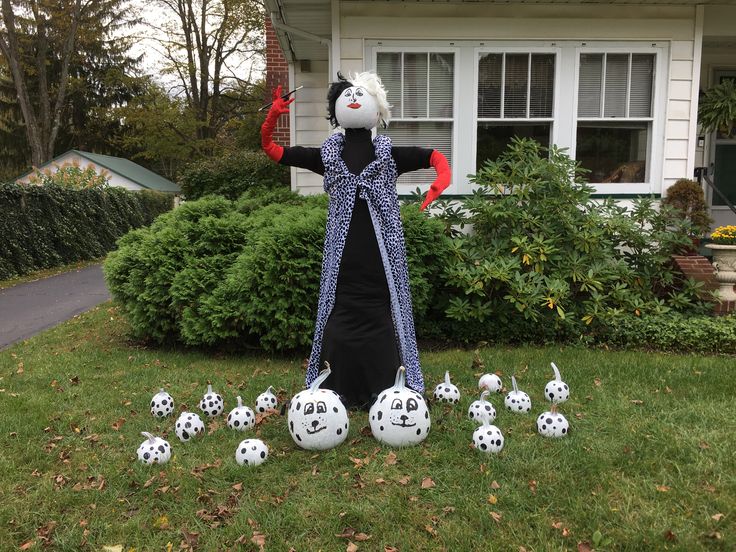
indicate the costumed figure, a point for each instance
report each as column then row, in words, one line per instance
column 365, row 326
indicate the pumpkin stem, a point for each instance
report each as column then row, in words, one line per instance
column 148, row 436
column 553, row 409
column 483, row 395
column 161, row 390
column 513, row 382
column 400, row 377
column 557, row 372
column 240, row 401
column 323, row 375
column 209, row 389
column 447, row 377
column 270, row 389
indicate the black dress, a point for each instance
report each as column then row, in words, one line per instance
column 359, row 339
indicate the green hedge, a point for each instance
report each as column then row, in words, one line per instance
column 46, row 226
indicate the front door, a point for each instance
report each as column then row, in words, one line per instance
column 723, row 165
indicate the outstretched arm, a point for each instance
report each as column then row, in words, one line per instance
column 442, row 168
column 412, row 158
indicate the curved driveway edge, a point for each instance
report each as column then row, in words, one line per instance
column 29, row 308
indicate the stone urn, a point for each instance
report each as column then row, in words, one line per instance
column 724, row 261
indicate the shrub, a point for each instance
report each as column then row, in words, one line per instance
column 71, row 176
column 232, row 174
column 687, row 197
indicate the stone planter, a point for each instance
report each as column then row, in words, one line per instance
column 724, row 261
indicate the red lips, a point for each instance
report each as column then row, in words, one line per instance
column 354, row 105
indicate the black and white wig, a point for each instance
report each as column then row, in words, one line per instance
column 368, row 81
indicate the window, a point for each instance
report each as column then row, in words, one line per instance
column 420, row 88
column 515, row 98
column 614, row 118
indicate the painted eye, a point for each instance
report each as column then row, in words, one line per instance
column 309, row 408
column 411, row 405
column 358, row 92
column 321, row 407
column 396, row 404
column 347, row 93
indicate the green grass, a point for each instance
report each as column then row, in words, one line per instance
column 630, row 476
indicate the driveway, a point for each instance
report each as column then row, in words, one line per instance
column 26, row 309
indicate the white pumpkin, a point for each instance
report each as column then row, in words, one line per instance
column 552, row 423
column 241, row 417
column 162, row 404
column 491, row 382
column 399, row 417
column 154, row 450
column 488, row 438
column 317, row 418
column 446, row 391
column 517, row 401
column 188, row 426
column 266, row 400
column 251, row 452
column 211, row 404
column 482, row 409
column 556, row 391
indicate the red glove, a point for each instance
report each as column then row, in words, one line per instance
column 278, row 108
column 439, row 162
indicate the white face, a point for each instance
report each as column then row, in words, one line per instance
column 317, row 419
column 356, row 108
column 399, row 418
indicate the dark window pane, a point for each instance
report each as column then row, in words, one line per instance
column 489, row 86
column 613, row 152
column 494, row 139
column 725, row 172
column 517, row 81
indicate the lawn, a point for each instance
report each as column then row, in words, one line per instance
column 649, row 463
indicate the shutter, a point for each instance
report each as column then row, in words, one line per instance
column 425, row 134
column 642, row 76
column 388, row 66
column 542, row 85
column 489, row 86
column 415, row 85
column 617, row 84
column 589, row 85
column 515, row 89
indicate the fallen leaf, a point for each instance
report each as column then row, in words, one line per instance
column 351, row 547
column 584, row 547
column 636, row 401
column 114, row 548
column 28, row 544
column 495, row 485
column 663, row 488
column 496, row 516
column 347, row 533
column 161, row 522
column 669, row 536
column 565, row 532
column 390, row 549
column 117, row 425
column 191, row 539
column 557, row 525
column 405, row 480
column 259, row 539
column 703, row 445
column 533, row 485
column 390, row 459
column 597, row 382
column 237, row 487
column 431, row 530
column 492, row 499
column 413, row 499
column 427, row 483
column 20, row 369
column 717, row 517
column 360, row 537
column 715, row 535
column 380, row 481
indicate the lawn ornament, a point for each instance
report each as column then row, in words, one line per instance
column 266, row 400
column 241, row 417
column 154, row 450
column 251, row 452
column 162, row 404
column 399, row 417
column 211, row 404
column 556, row 391
column 552, row 423
column 517, row 401
column 317, row 418
column 488, row 438
column 491, row 382
column 188, row 425
column 482, row 409
column 446, row 391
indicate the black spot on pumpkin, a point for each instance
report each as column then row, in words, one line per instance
column 263, row 454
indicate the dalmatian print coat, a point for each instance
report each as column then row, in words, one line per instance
column 377, row 185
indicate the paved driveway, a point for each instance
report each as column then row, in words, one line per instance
column 27, row 309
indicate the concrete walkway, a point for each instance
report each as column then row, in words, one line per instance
column 26, row 309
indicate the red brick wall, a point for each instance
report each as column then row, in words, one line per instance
column 699, row 268
column 277, row 72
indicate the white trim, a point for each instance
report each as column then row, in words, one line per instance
column 292, row 129
column 335, row 50
column 695, row 89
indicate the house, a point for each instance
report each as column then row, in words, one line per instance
column 118, row 170
column 615, row 82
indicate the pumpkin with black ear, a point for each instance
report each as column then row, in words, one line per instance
column 399, row 417
column 162, row 404
column 211, row 404
column 517, row 401
column 447, row 391
column 266, row 400
column 241, row 417
column 552, row 423
column 154, row 450
column 556, row 391
column 482, row 409
column 317, row 418
column 488, row 438
column 188, row 426
column 251, row 452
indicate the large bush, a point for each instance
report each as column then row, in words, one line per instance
column 246, row 272
column 232, row 174
column 46, row 226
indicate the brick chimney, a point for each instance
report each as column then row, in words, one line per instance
column 277, row 72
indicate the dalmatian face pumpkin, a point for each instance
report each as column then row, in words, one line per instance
column 317, row 418
column 188, row 426
column 491, row 382
column 154, row 450
column 266, row 400
column 399, row 417
column 556, row 391
column 446, row 391
column 552, row 424
column 162, row 404
column 482, row 409
column 251, row 452
column 241, row 417
column 211, row 404
column 488, row 438
column 517, row 401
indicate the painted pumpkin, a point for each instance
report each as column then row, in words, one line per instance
column 556, row 391
column 188, row 426
column 517, row 401
column 211, row 404
column 491, row 382
column 446, row 391
column 162, row 404
column 154, row 450
column 251, row 452
column 317, row 418
column 241, row 417
column 399, row 417
column 482, row 409
column 488, row 438
column 266, row 400
column 552, row 424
